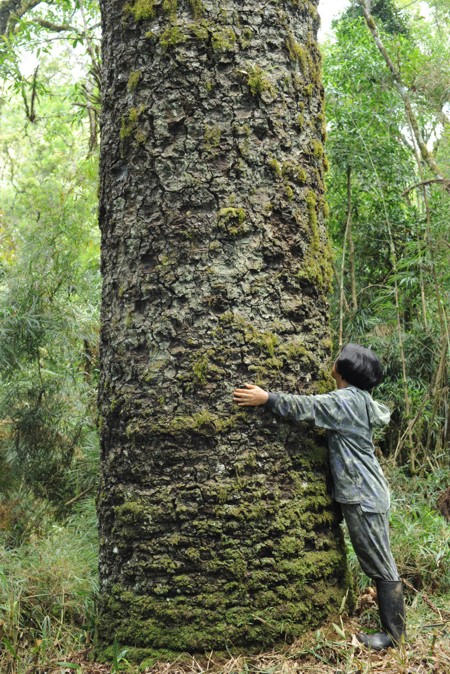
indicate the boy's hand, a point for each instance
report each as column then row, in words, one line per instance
column 250, row 396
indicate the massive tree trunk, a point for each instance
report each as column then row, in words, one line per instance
column 216, row 526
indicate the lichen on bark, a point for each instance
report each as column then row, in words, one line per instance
column 216, row 526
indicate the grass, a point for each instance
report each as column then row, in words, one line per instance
column 47, row 590
column 48, row 582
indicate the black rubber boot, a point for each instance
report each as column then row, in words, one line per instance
column 392, row 615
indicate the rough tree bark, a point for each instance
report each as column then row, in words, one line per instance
column 216, row 527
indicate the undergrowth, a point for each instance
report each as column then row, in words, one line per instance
column 47, row 588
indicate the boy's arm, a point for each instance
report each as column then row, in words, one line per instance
column 295, row 407
column 323, row 410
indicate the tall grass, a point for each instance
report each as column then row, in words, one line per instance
column 47, row 590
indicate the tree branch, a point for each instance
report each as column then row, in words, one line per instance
column 11, row 10
column 56, row 28
column 445, row 183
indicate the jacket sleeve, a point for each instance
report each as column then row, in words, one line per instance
column 324, row 411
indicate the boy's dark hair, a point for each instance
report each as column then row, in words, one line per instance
column 359, row 366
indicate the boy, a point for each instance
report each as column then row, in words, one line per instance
column 349, row 414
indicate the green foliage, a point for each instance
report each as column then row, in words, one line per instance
column 49, row 293
column 395, row 261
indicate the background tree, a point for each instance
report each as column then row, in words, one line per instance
column 215, row 525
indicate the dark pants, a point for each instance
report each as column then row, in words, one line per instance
column 369, row 534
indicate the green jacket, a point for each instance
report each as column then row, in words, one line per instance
column 349, row 415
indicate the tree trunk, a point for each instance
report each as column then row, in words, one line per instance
column 216, row 528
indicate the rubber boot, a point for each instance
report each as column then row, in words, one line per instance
column 392, row 615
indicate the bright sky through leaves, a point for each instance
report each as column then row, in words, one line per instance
column 328, row 10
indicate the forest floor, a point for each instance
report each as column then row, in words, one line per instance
column 331, row 650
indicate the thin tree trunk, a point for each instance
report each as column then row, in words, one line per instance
column 344, row 250
column 351, row 244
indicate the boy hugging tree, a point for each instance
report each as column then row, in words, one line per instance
column 349, row 415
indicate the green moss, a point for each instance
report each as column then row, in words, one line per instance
column 142, row 9
column 211, row 139
column 276, row 167
column 325, row 383
column 204, row 423
column 296, row 351
column 297, row 82
column 300, row 121
column 316, row 266
column 244, row 148
column 172, row 36
column 201, row 31
column 232, row 219
column 203, row 368
column 170, row 8
column 140, row 136
column 129, row 122
column 246, row 37
column 223, row 39
column 311, row 202
column 259, row 82
column 133, row 80
column 129, row 319
column 289, row 192
column 131, row 512
column 296, row 51
column 294, row 171
column 266, row 341
column 255, row 589
column 301, row 176
column 308, row 89
column 200, row 369
column 317, row 148
column 197, row 8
